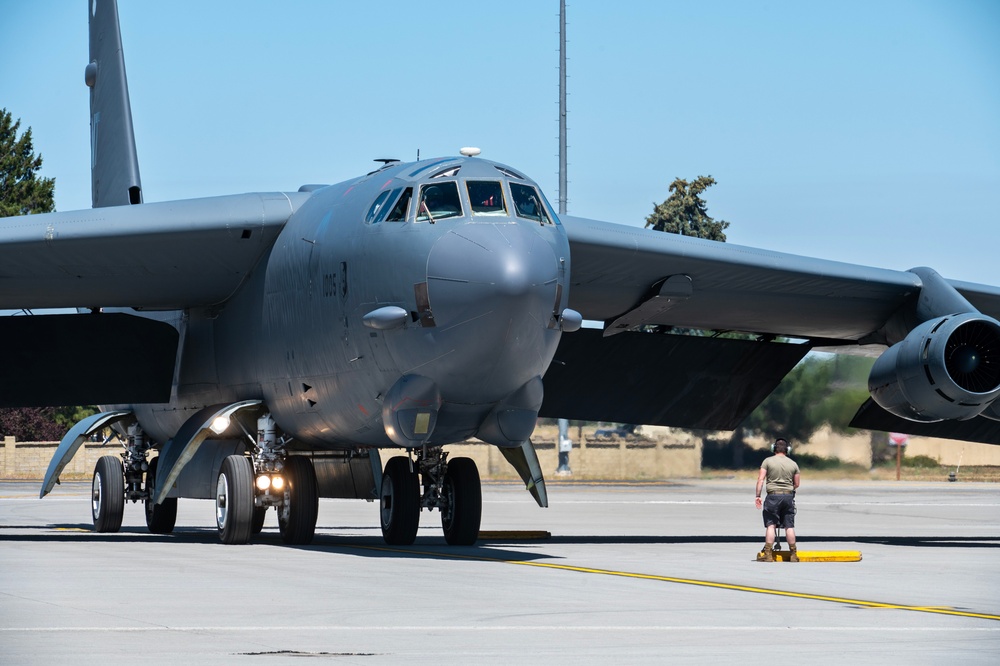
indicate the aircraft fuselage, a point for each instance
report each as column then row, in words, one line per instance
column 468, row 269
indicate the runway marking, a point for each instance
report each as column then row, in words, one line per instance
column 498, row 628
column 937, row 610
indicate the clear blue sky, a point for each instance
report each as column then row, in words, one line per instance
column 866, row 132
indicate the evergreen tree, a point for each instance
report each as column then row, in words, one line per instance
column 21, row 190
column 685, row 213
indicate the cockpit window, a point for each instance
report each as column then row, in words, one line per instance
column 486, row 197
column 528, row 203
column 450, row 172
column 439, row 201
column 380, row 206
column 402, row 207
column 510, row 173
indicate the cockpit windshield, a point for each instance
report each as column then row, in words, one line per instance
column 402, row 207
column 439, row 201
column 528, row 203
column 486, row 197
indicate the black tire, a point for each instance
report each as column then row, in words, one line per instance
column 234, row 500
column 257, row 524
column 107, row 497
column 463, row 512
column 297, row 521
column 399, row 503
column 160, row 518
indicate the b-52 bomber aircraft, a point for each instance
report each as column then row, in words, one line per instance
column 263, row 347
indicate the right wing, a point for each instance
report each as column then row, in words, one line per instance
column 157, row 256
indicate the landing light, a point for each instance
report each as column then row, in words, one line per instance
column 277, row 483
column 263, row 482
column 219, row 424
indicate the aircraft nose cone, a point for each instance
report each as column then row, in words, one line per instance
column 489, row 267
column 492, row 290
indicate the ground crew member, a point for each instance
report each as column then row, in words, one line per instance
column 781, row 474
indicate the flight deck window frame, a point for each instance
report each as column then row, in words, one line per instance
column 408, row 194
column 504, row 210
column 545, row 218
column 383, row 203
column 419, row 216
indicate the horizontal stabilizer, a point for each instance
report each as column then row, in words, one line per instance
column 978, row 429
column 655, row 379
column 85, row 359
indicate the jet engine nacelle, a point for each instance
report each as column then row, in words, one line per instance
column 945, row 368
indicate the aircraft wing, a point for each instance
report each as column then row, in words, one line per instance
column 627, row 276
column 168, row 255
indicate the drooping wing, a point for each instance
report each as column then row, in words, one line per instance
column 168, row 255
column 162, row 256
column 732, row 287
column 629, row 277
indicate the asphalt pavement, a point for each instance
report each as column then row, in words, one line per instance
column 643, row 573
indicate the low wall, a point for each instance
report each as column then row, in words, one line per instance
column 617, row 459
column 857, row 449
column 29, row 460
column 632, row 459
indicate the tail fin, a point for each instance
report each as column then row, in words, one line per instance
column 114, row 167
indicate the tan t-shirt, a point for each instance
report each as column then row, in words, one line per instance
column 780, row 473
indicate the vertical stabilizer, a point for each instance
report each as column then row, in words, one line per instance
column 114, row 167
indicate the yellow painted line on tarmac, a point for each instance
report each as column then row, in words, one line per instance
column 938, row 610
column 72, row 529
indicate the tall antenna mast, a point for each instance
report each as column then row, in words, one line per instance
column 562, row 107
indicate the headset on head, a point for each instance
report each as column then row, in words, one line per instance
column 787, row 444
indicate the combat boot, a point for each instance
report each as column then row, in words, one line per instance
column 794, row 554
column 768, row 553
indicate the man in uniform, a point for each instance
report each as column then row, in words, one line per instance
column 781, row 474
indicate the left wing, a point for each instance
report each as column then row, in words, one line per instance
column 942, row 366
column 615, row 269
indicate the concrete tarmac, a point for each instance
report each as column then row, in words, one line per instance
column 644, row 573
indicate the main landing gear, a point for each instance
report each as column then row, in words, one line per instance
column 248, row 487
column 120, row 479
column 453, row 487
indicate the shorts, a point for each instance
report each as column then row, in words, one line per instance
column 779, row 510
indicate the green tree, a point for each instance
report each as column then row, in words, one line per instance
column 22, row 192
column 792, row 408
column 685, row 213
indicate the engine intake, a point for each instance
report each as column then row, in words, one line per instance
column 945, row 368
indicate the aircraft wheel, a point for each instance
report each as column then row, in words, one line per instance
column 400, row 502
column 107, row 499
column 257, row 524
column 234, row 500
column 160, row 518
column 464, row 503
column 297, row 519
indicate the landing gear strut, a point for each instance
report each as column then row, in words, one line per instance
column 117, row 481
column 452, row 487
column 270, row 477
